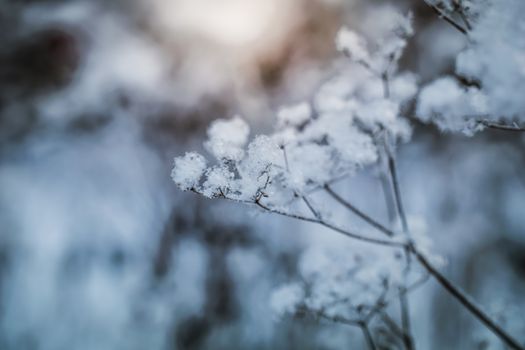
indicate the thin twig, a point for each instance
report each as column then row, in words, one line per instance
column 335, row 319
column 392, row 325
column 331, row 226
column 368, row 336
column 397, row 192
column 405, row 319
column 458, row 7
column 358, row 212
column 455, row 291
column 403, row 298
column 379, row 305
column 418, row 283
column 389, row 200
column 362, row 323
column 467, row 302
column 318, row 221
column 445, row 17
column 305, row 199
column 503, row 127
column 310, row 206
column 353, row 323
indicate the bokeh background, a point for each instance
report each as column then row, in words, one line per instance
column 98, row 250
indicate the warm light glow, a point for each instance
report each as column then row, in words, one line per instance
column 229, row 22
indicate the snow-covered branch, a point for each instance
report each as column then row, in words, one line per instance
column 354, row 121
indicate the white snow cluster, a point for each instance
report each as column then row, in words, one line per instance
column 296, row 115
column 286, row 298
column 451, row 106
column 494, row 60
column 340, row 282
column 340, row 131
column 344, row 282
column 382, row 54
column 240, row 172
column 352, row 45
column 227, row 138
column 188, row 170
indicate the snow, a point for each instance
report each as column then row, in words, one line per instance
column 188, row 170
column 351, row 44
column 218, row 181
column 494, row 61
column 285, row 298
column 227, row 137
column 452, row 107
column 313, row 143
column 295, row 115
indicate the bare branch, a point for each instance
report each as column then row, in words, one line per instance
column 405, row 319
column 392, row 325
column 503, row 127
column 358, row 212
column 310, row 206
column 363, row 325
column 389, row 200
column 332, row 227
column 397, row 192
column 368, row 336
column 458, row 7
column 403, row 298
column 446, row 18
column 454, row 290
column 467, row 302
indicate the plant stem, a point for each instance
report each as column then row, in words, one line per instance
column 368, row 336
column 358, row 212
column 331, row 226
column 389, row 201
column 403, row 298
column 502, row 127
column 446, row 18
column 405, row 320
column 455, row 291
column 466, row 301
column 397, row 193
column 462, row 297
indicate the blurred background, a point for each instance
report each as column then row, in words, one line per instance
column 98, row 250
